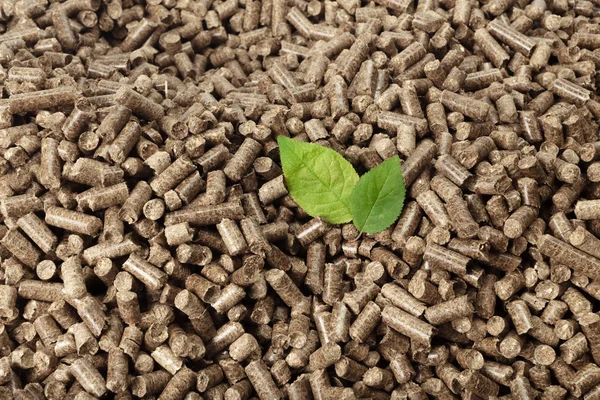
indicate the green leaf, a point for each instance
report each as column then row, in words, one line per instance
column 378, row 197
column 319, row 179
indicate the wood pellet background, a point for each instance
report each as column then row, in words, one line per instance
column 149, row 247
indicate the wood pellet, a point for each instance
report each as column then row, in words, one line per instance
column 149, row 247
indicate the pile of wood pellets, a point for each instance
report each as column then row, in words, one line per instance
column 149, row 247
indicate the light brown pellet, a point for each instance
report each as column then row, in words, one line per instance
column 73, row 221
column 88, row 376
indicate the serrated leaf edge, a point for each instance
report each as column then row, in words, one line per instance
column 386, row 179
column 340, row 220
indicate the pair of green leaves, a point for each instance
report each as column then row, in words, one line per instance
column 326, row 185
